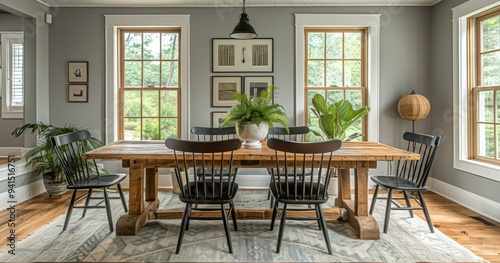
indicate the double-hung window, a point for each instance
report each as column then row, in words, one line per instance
column 484, row 86
column 336, row 68
column 12, row 80
column 149, row 84
column 476, row 72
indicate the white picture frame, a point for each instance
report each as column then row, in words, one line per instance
column 222, row 86
column 236, row 55
column 256, row 84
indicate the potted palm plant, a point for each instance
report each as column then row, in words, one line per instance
column 254, row 115
column 42, row 157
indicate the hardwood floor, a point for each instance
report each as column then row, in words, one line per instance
column 473, row 231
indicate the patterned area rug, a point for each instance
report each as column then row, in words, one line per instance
column 89, row 239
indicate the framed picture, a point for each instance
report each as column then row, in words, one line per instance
column 78, row 71
column 218, row 118
column 78, row 93
column 221, row 91
column 255, row 85
column 236, row 55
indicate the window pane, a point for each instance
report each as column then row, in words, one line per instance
column 315, row 77
column 316, row 45
column 334, row 74
column 170, row 74
column 310, row 96
column 498, row 106
column 132, row 103
column 150, row 129
column 169, row 45
column 151, row 74
column 354, row 128
column 355, row 97
column 168, row 103
column 491, row 69
column 352, row 73
column 133, row 45
column 485, row 106
column 133, row 74
column 486, row 140
column 335, row 95
column 334, row 45
column 352, row 45
column 16, row 74
column 490, row 34
column 132, row 129
column 168, row 128
column 151, row 45
column 150, row 103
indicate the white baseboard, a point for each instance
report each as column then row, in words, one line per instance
column 22, row 194
column 474, row 202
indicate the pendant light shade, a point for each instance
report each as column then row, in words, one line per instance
column 243, row 30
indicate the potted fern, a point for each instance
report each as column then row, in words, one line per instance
column 42, row 157
column 254, row 115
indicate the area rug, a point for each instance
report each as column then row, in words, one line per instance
column 89, row 239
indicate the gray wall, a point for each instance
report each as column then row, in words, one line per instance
column 442, row 103
column 9, row 23
column 78, row 34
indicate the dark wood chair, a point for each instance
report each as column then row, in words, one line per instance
column 213, row 134
column 297, row 134
column 410, row 179
column 84, row 174
column 206, row 188
column 292, row 188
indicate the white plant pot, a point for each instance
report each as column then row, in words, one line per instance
column 253, row 134
column 333, row 187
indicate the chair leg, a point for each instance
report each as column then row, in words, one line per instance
column 226, row 228
column 189, row 215
column 183, row 226
column 275, row 211
column 282, row 229
column 388, row 210
column 87, row 202
column 70, row 209
column 233, row 215
column 272, row 201
column 374, row 199
column 426, row 212
column 122, row 197
column 318, row 216
column 408, row 204
column 108, row 210
column 325, row 230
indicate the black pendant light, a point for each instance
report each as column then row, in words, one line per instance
column 243, row 30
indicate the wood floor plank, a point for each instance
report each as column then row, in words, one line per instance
column 473, row 231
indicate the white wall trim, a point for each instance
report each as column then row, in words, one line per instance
column 23, row 193
column 461, row 160
column 112, row 23
column 476, row 203
column 372, row 22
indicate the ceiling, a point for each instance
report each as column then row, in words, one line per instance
column 232, row 3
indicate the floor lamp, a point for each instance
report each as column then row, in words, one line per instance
column 414, row 107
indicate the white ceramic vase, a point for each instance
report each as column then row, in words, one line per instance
column 252, row 134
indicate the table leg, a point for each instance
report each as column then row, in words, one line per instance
column 364, row 225
column 129, row 224
column 152, row 186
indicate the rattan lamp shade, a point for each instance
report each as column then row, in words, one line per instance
column 414, row 107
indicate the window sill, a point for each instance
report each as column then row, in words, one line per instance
column 12, row 115
column 482, row 169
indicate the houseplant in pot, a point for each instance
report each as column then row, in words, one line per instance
column 254, row 115
column 42, row 157
column 334, row 121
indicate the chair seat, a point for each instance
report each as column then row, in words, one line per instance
column 213, row 193
column 299, row 199
column 98, row 181
column 394, row 182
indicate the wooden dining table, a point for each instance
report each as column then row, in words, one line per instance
column 143, row 158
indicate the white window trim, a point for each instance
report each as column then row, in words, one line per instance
column 9, row 111
column 112, row 23
column 372, row 22
column 460, row 107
